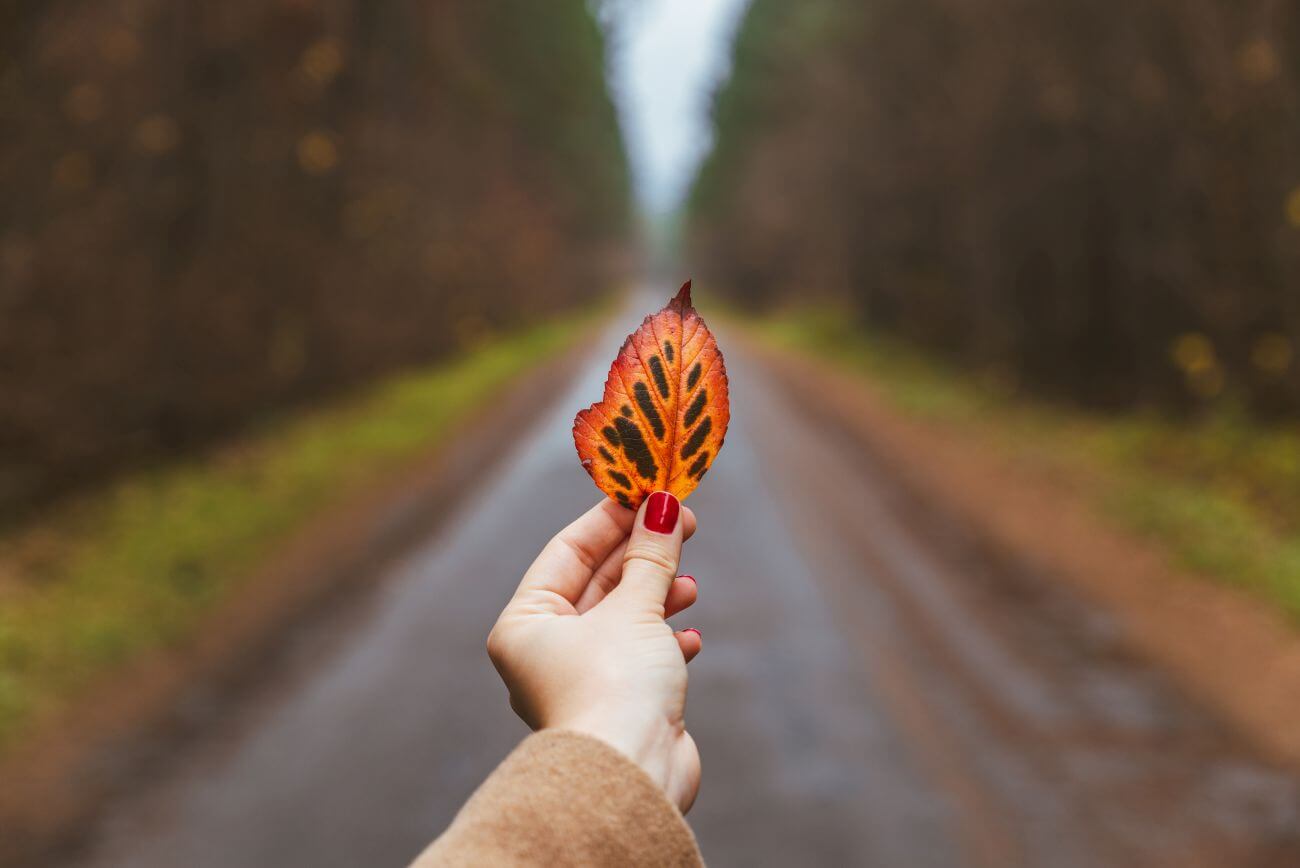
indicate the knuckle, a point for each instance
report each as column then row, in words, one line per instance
column 496, row 645
column 651, row 555
column 582, row 552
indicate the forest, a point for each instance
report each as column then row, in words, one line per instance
column 216, row 208
column 1098, row 202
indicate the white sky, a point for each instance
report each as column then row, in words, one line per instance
column 666, row 56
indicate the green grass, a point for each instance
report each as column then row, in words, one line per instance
column 1221, row 494
column 135, row 566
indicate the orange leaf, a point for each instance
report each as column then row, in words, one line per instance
column 665, row 410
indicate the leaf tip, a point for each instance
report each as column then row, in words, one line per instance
column 684, row 295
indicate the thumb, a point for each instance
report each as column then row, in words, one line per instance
column 653, row 552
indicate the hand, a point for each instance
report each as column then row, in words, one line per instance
column 583, row 644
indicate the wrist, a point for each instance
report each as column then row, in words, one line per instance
column 647, row 743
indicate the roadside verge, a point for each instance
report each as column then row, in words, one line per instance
column 440, row 435
column 1226, row 648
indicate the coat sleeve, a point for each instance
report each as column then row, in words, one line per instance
column 564, row 798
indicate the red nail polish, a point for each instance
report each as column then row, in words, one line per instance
column 693, row 630
column 661, row 512
column 692, row 578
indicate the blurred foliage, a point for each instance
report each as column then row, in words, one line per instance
column 1097, row 200
column 213, row 208
column 1222, row 495
column 132, row 566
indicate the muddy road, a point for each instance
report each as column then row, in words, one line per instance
column 875, row 688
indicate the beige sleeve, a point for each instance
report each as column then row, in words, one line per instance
column 563, row 798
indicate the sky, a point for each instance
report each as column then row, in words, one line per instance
column 666, row 58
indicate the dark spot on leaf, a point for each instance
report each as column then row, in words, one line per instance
column 697, row 407
column 694, row 376
column 636, row 449
column 621, row 479
column 697, row 438
column 668, row 351
column 661, row 379
column 647, row 405
column 701, row 464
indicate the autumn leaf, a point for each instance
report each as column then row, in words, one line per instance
column 665, row 410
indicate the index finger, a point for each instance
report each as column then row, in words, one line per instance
column 569, row 560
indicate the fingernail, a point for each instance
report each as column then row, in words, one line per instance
column 692, row 578
column 693, row 630
column 661, row 512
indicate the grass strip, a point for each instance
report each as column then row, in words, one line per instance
column 133, row 567
column 1220, row 493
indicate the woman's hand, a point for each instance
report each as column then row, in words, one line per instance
column 583, row 644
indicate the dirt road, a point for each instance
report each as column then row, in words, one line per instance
column 872, row 691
